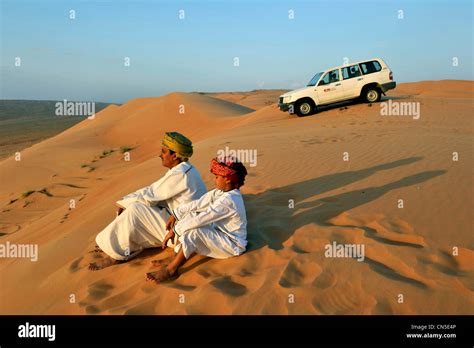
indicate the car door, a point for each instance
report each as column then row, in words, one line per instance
column 352, row 80
column 330, row 88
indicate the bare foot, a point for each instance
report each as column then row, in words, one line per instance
column 103, row 263
column 160, row 276
column 162, row 262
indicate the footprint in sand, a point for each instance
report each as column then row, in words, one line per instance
column 91, row 309
column 74, row 266
column 88, row 258
column 229, row 287
column 98, row 291
column 301, row 270
column 115, row 303
column 204, row 273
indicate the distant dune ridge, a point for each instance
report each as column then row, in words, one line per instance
column 26, row 122
column 300, row 197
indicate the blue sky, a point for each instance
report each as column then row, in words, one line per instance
column 83, row 59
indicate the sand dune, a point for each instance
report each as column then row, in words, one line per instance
column 408, row 251
column 26, row 122
column 254, row 99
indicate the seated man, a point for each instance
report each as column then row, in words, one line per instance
column 213, row 226
column 143, row 222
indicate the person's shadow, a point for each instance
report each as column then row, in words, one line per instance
column 271, row 220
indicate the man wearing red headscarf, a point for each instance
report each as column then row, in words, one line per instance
column 214, row 225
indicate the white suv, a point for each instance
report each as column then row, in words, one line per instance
column 366, row 79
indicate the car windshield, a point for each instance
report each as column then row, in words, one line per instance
column 315, row 79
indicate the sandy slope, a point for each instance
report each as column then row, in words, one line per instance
column 407, row 251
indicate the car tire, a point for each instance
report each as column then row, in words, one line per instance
column 371, row 94
column 304, row 108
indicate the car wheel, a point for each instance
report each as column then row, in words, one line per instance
column 372, row 95
column 304, row 108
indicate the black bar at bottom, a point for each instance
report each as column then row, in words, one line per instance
column 137, row 331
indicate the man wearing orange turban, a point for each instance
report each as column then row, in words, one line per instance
column 142, row 215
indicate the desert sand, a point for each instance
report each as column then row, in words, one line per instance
column 408, row 251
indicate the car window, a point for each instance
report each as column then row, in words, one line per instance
column 370, row 67
column 350, row 71
column 330, row 77
column 315, row 79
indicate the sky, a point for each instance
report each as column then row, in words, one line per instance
column 277, row 44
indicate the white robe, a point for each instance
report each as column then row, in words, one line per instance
column 143, row 223
column 214, row 225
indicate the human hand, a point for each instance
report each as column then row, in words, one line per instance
column 170, row 223
column 169, row 235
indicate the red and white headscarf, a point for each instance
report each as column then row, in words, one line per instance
column 230, row 168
